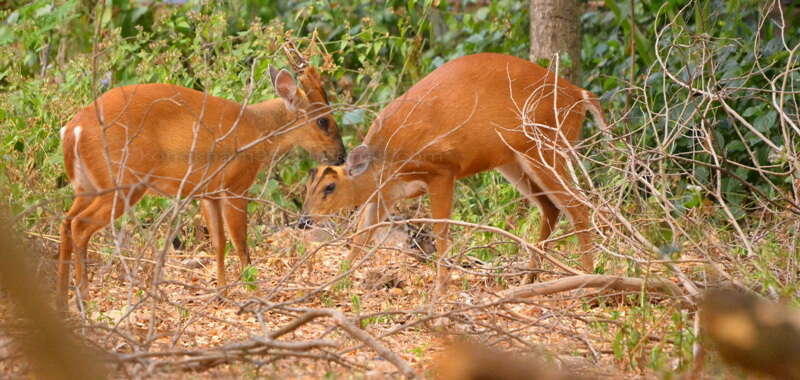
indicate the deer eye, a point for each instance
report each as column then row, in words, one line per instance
column 323, row 123
column 329, row 189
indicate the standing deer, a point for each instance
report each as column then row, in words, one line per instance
column 473, row 114
column 174, row 141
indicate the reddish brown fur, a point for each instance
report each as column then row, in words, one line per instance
column 463, row 119
column 176, row 141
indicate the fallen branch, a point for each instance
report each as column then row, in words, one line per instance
column 357, row 333
column 194, row 360
column 593, row 281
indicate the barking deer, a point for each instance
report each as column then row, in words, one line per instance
column 174, row 141
column 473, row 114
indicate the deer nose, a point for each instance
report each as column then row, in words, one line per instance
column 339, row 159
column 335, row 160
column 304, row 223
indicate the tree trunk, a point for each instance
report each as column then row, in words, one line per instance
column 556, row 28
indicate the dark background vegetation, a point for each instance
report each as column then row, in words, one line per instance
column 55, row 56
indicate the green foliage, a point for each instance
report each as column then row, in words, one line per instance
column 709, row 46
column 250, row 278
column 47, row 71
column 32, row 28
column 355, row 303
column 346, row 282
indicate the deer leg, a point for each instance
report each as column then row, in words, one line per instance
column 516, row 175
column 440, row 191
column 212, row 214
column 234, row 214
column 98, row 214
column 553, row 178
column 65, row 249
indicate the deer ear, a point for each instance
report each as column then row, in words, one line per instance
column 285, row 86
column 358, row 161
column 273, row 72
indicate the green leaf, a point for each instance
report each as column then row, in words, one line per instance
column 6, row 36
column 481, row 14
column 752, row 110
column 476, row 38
column 13, row 17
column 643, row 48
column 734, row 146
column 138, row 13
column 353, row 117
column 766, row 121
column 612, row 4
column 43, row 10
column 544, row 62
column 249, row 278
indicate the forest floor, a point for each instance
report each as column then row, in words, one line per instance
column 388, row 294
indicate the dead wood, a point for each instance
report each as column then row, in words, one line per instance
column 248, row 350
column 593, row 281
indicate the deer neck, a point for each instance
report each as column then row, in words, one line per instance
column 276, row 121
column 383, row 181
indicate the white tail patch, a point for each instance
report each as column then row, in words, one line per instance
column 82, row 180
column 61, row 132
column 594, row 108
column 77, row 133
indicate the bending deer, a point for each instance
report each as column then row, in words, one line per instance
column 473, row 114
column 174, row 141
